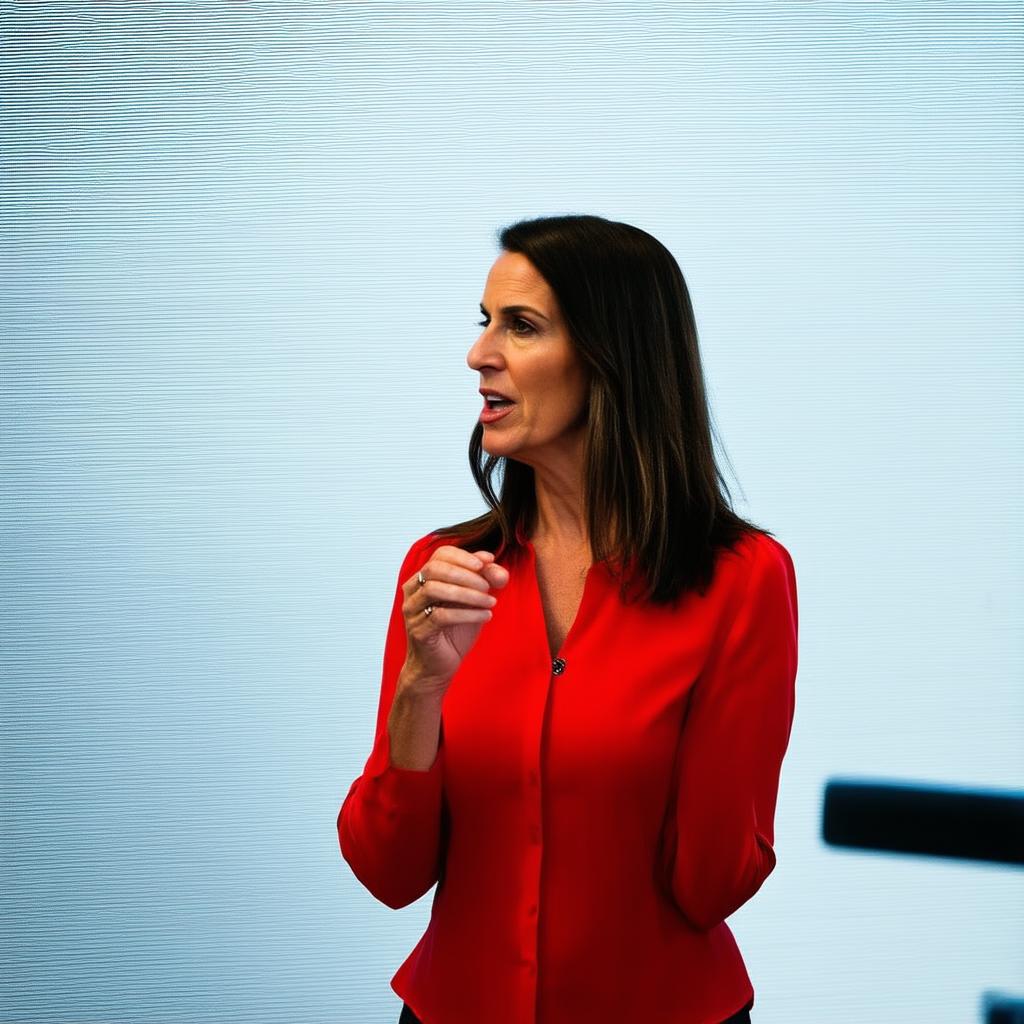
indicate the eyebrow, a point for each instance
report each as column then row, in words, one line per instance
column 512, row 310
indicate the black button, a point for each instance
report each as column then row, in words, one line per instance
column 558, row 666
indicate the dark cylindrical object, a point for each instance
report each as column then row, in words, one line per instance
column 931, row 820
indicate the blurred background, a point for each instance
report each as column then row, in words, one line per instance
column 243, row 248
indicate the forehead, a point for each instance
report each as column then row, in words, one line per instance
column 513, row 276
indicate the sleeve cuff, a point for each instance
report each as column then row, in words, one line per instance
column 402, row 790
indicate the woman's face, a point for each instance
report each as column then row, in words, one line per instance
column 525, row 355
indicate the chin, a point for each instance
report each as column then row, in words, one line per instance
column 500, row 448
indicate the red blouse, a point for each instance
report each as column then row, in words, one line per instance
column 591, row 821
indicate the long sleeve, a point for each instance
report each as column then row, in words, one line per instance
column 389, row 826
column 719, row 841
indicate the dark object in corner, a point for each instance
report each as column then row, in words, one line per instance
column 930, row 820
column 1000, row 1009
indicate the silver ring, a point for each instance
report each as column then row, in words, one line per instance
column 428, row 609
column 420, row 578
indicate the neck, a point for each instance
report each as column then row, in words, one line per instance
column 561, row 518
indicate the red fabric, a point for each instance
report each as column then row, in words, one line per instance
column 591, row 830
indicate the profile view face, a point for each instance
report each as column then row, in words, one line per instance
column 533, row 382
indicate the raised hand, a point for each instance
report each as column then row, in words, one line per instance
column 445, row 613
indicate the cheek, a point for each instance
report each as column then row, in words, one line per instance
column 567, row 402
column 579, row 388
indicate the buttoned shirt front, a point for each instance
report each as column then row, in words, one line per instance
column 590, row 821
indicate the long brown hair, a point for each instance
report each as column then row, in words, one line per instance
column 653, row 491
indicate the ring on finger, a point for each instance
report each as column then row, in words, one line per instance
column 420, row 578
column 427, row 611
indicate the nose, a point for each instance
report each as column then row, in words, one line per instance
column 485, row 352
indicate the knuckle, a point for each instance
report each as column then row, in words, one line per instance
column 433, row 570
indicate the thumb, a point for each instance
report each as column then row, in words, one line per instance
column 496, row 575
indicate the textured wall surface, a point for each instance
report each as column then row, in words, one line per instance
column 243, row 247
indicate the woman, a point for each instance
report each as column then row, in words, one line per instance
column 588, row 691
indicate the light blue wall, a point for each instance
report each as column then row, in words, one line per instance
column 243, row 247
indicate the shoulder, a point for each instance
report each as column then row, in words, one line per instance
column 755, row 548
column 766, row 552
column 757, row 562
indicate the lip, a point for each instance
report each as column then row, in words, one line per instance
column 489, row 415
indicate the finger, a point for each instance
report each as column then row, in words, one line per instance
column 496, row 575
column 437, row 591
column 447, row 572
column 455, row 616
column 458, row 556
column 445, row 556
column 420, row 626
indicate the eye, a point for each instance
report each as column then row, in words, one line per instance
column 515, row 320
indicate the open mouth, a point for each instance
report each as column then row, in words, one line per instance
column 496, row 407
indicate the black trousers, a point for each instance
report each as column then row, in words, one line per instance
column 740, row 1017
